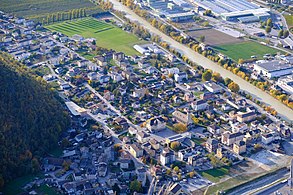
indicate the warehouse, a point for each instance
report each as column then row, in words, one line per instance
column 274, row 68
column 234, row 10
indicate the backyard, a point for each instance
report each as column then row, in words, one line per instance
column 245, row 50
column 106, row 35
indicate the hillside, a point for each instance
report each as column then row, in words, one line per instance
column 31, row 120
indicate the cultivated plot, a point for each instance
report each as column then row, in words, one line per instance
column 106, row 35
column 245, row 50
column 214, row 37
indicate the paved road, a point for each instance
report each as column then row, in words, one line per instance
column 283, row 110
column 247, row 189
column 272, row 189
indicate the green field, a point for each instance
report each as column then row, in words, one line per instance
column 106, row 35
column 289, row 20
column 245, row 50
column 35, row 9
column 214, row 175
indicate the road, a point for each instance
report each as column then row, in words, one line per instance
column 247, row 189
column 284, row 111
column 272, row 189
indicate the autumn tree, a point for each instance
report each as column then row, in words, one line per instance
column 234, row 87
column 135, row 186
column 207, row 75
column 175, row 145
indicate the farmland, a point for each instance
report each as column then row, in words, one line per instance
column 106, row 35
column 245, row 50
column 35, row 9
column 289, row 20
column 214, row 37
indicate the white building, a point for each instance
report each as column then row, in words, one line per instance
column 286, row 83
column 274, row 68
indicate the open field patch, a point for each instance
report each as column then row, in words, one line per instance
column 39, row 9
column 214, row 37
column 245, row 50
column 106, row 35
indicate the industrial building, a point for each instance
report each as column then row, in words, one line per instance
column 235, row 10
column 286, row 83
column 174, row 11
column 272, row 69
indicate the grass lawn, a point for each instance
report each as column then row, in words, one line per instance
column 198, row 141
column 106, row 35
column 289, row 20
column 41, row 8
column 245, row 50
column 43, row 189
column 14, row 187
column 214, row 175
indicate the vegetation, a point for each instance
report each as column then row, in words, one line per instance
column 135, row 186
column 40, row 10
column 214, row 175
column 175, row 145
column 31, row 120
column 207, row 75
column 180, row 127
column 234, row 87
column 108, row 36
column 245, row 50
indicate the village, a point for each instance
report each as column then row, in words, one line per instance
column 146, row 124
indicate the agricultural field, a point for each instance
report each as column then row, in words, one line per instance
column 36, row 9
column 245, row 50
column 106, row 35
column 289, row 20
column 214, row 37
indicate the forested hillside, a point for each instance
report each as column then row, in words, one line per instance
column 31, row 119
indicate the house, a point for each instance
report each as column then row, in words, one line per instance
column 180, row 77
column 229, row 138
column 239, row 127
column 239, row 147
column 212, row 145
column 167, row 157
column 156, row 124
column 181, row 117
column 82, row 63
column 252, row 135
column 142, row 137
column 139, row 93
column 267, row 138
column 101, row 61
column 246, row 117
column 141, row 175
column 212, row 87
column 199, row 105
column 207, row 96
column 155, row 144
column 135, row 150
column 118, row 56
column 214, row 129
column 172, row 71
column 143, row 64
column 151, row 70
column 189, row 97
column 176, row 189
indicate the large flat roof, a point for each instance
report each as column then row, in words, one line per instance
column 226, row 6
column 274, row 65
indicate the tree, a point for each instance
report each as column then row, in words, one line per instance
column 176, row 169
column 175, row 145
column 135, row 186
column 202, row 38
column 217, row 77
column 269, row 22
column 180, row 127
column 227, row 81
column 234, row 87
column 281, row 33
column 207, row 75
column 268, row 29
column 286, row 33
column 241, row 61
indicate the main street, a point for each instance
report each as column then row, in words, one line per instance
column 284, row 111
